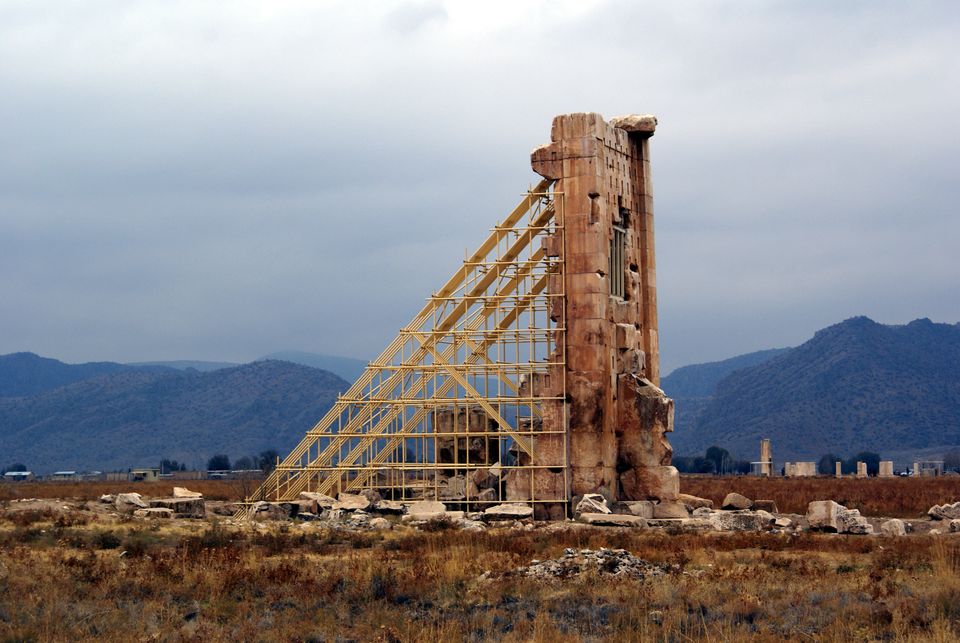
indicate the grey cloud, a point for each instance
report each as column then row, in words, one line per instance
column 188, row 181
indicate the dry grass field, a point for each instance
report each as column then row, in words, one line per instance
column 893, row 497
column 68, row 572
column 63, row 577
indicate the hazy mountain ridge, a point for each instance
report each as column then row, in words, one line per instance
column 138, row 416
column 349, row 368
column 28, row 373
column 855, row 385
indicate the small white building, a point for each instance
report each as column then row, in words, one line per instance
column 18, row 476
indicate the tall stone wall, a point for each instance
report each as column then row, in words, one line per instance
column 615, row 417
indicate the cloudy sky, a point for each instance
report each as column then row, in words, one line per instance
column 220, row 180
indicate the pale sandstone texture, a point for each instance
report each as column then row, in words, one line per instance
column 617, row 418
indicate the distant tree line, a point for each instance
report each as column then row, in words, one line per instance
column 827, row 463
column 16, row 466
column 716, row 460
column 265, row 461
column 951, row 460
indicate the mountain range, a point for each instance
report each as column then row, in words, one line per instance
column 122, row 416
column 854, row 386
column 857, row 385
column 349, row 368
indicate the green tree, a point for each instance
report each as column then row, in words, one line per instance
column 720, row 459
column 872, row 459
column 951, row 460
column 827, row 464
column 244, row 464
column 268, row 460
column 219, row 462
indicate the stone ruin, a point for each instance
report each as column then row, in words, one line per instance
column 617, row 416
column 598, row 421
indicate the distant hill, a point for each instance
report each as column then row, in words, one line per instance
column 700, row 380
column 349, row 368
column 692, row 387
column 185, row 364
column 854, row 386
column 137, row 416
column 28, row 373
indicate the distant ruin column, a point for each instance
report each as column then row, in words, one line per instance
column 916, row 469
column 838, row 468
column 861, row 469
column 886, row 469
column 618, row 417
column 766, row 458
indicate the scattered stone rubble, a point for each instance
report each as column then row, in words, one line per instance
column 605, row 562
column 945, row 511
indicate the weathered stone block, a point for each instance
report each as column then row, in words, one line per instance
column 670, row 510
column 154, row 513
column 736, row 501
column 893, row 527
column 694, row 502
column 129, row 502
column 613, row 520
column 944, row 512
column 591, row 503
column 182, row 507
column 651, row 483
column 510, row 511
column 765, row 505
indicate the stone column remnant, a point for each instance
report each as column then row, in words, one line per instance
column 861, row 469
column 617, row 417
column 766, row 458
column 838, row 469
column 886, row 469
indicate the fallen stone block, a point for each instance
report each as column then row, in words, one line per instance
column 741, row 520
column 508, row 512
column 263, row 510
column 765, row 505
column 827, row 515
column 108, row 498
column 694, row 502
column 352, row 502
column 129, row 502
column 702, row 512
column 454, row 488
column 484, row 479
column 944, row 512
column 734, row 501
column 435, row 515
column 182, row 507
column 183, row 492
column 893, row 527
column 389, row 507
column 154, row 513
column 321, row 501
column 783, row 523
column 470, row 525
column 684, row 524
column 225, row 509
column 592, row 503
column 488, row 495
column 641, row 508
column 954, row 526
column 380, row 524
column 425, row 507
column 670, row 510
column 613, row 520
